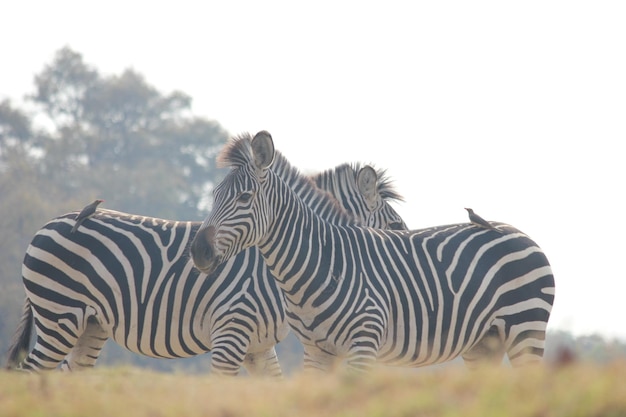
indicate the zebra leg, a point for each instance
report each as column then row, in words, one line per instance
column 264, row 363
column 363, row 353
column 57, row 333
column 228, row 353
column 316, row 359
column 87, row 349
column 527, row 343
column 489, row 350
column 366, row 337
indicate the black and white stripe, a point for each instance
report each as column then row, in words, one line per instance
column 365, row 295
column 129, row 278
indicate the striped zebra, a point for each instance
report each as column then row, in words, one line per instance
column 367, row 296
column 129, row 278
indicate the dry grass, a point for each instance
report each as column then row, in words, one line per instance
column 577, row 390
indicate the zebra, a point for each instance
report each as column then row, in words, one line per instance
column 129, row 278
column 357, row 297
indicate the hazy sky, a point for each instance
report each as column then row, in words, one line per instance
column 517, row 109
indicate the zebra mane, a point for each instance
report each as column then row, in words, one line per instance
column 289, row 174
column 238, row 153
column 349, row 172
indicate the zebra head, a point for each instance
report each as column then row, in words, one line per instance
column 365, row 193
column 376, row 190
column 240, row 216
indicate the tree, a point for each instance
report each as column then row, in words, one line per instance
column 22, row 207
column 119, row 138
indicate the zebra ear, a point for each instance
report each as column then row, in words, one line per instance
column 367, row 183
column 263, row 149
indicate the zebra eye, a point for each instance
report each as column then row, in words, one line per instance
column 245, row 197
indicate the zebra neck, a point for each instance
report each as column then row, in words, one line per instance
column 299, row 244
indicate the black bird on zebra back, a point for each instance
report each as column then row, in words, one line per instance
column 479, row 221
column 85, row 213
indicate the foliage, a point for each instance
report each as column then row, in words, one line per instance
column 588, row 348
column 578, row 390
column 119, row 138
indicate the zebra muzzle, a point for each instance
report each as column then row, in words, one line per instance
column 202, row 252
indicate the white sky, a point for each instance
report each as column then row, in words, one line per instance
column 517, row 109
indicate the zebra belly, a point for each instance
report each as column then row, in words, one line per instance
column 165, row 334
column 399, row 351
column 161, row 341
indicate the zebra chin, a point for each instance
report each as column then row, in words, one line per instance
column 206, row 265
column 209, row 266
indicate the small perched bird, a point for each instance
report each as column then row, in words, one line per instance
column 85, row 213
column 479, row 221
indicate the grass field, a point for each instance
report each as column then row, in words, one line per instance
column 577, row 390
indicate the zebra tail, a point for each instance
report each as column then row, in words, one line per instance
column 21, row 339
